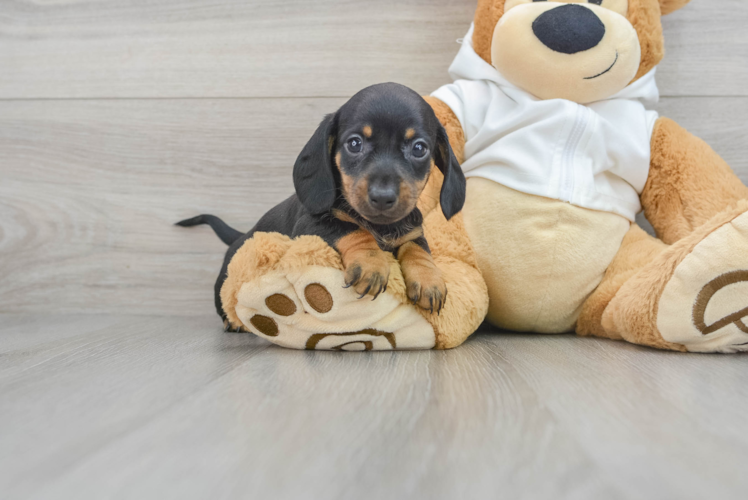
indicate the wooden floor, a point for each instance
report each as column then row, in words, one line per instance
column 119, row 117
column 170, row 407
column 157, row 407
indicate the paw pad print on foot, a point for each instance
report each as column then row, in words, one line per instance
column 704, row 306
column 281, row 305
column 263, row 324
column 309, row 308
column 318, row 298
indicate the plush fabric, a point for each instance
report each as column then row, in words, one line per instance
column 637, row 250
column 644, row 15
column 668, row 6
column 487, row 16
column 717, row 248
column 650, row 285
column 688, row 183
column 540, row 48
column 541, row 258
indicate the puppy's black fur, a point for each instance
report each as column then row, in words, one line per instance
column 363, row 169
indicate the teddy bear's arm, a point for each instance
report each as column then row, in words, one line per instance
column 688, row 183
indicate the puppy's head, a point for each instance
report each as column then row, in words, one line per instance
column 377, row 152
column 580, row 50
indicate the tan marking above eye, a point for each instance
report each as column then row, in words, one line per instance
column 368, row 131
column 410, row 133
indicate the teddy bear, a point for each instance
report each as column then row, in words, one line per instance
column 549, row 114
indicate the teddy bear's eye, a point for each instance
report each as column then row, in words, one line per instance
column 596, row 2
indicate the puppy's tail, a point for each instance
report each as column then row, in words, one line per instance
column 227, row 234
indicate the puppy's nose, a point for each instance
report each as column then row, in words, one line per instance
column 382, row 197
column 569, row 29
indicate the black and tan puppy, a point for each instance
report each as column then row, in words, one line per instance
column 357, row 183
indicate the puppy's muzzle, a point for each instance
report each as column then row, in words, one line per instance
column 569, row 29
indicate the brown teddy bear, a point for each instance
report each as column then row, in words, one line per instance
column 549, row 116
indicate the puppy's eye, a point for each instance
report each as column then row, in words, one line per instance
column 355, row 145
column 420, row 149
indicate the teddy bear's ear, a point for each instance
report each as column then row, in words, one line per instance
column 668, row 6
column 487, row 15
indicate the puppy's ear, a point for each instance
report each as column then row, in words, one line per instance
column 313, row 170
column 452, row 197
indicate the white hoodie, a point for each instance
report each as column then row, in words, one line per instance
column 594, row 156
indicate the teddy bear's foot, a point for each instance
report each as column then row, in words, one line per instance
column 292, row 293
column 692, row 297
column 311, row 309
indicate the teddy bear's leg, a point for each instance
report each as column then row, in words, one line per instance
column 650, row 292
column 467, row 299
column 637, row 250
column 688, row 183
column 693, row 295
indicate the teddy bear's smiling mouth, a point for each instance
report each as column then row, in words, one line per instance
column 601, row 74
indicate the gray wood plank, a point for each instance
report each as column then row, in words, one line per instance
column 706, row 50
column 169, row 408
column 646, row 418
column 90, row 190
column 64, row 398
column 190, row 48
column 19, row 334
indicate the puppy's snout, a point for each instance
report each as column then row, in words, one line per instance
column 383, row 196
column 569, row 29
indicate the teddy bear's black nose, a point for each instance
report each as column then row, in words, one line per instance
column 569, row 29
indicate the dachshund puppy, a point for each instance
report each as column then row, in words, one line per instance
column 357, row 183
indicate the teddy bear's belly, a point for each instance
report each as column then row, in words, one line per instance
column 541, row 258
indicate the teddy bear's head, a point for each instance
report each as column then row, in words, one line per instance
column 581, row 50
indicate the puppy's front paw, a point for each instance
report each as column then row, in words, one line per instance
column 423, row 280
column 368, row 273
column 426, row 288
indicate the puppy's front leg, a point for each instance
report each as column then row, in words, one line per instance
column 423, row 280
column 367, row 268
